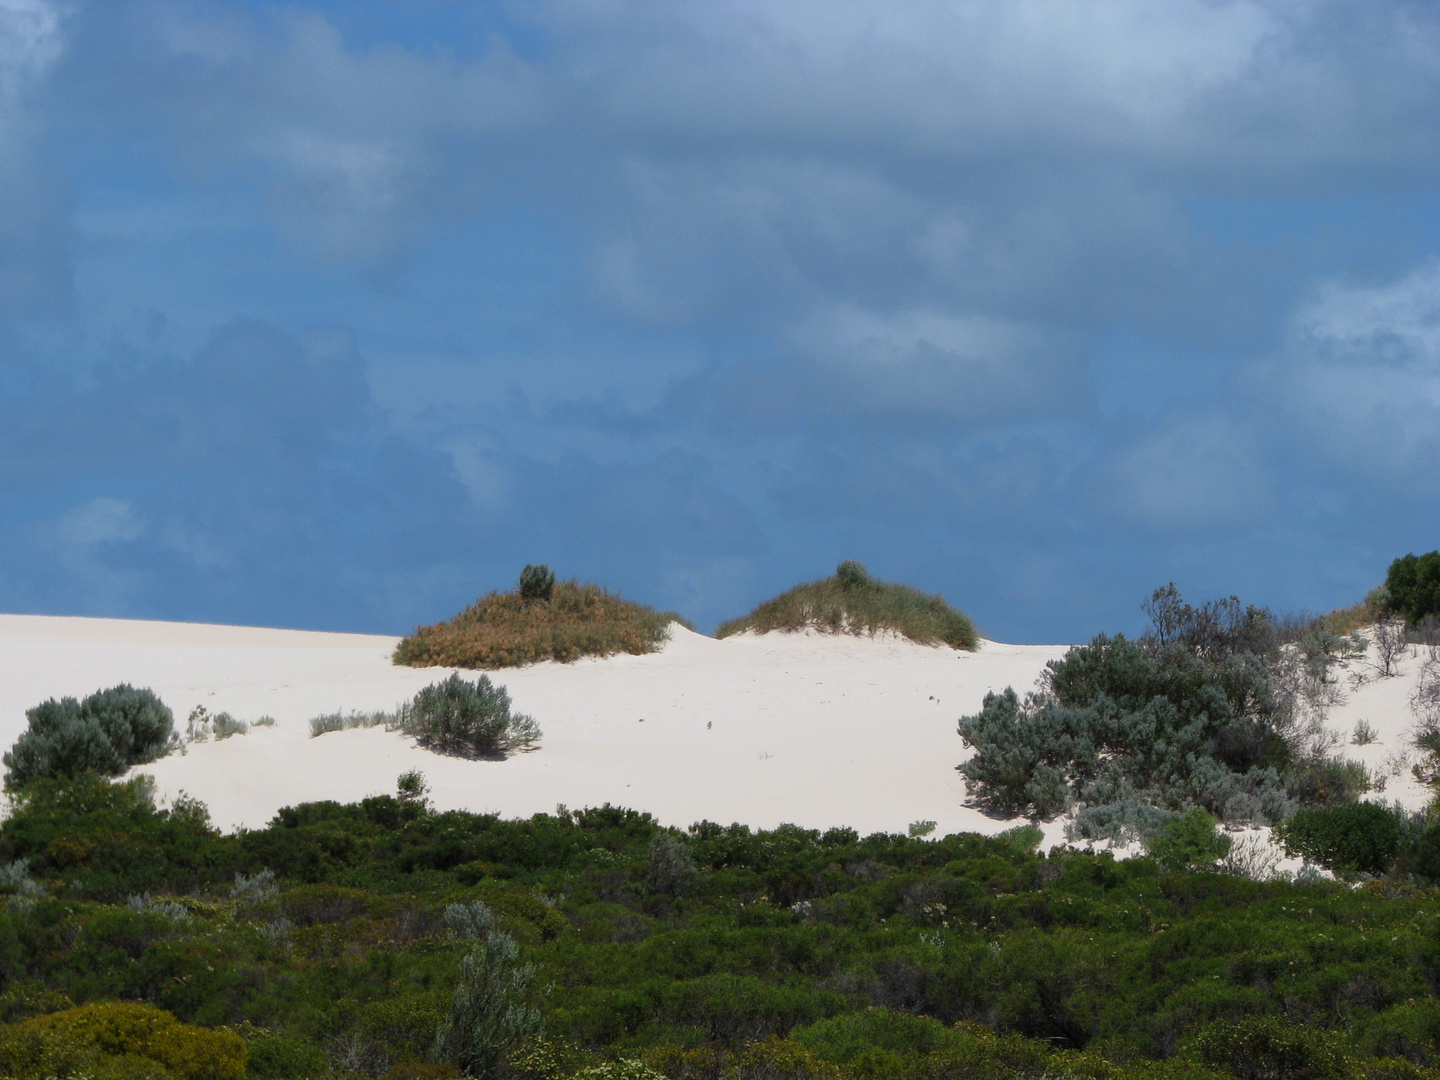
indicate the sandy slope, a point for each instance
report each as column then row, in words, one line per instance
column 813, row 729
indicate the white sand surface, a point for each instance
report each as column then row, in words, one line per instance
column 819, row 730
column 815, row 729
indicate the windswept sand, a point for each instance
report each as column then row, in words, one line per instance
column 818, row 730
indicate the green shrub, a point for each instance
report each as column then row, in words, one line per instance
column 1206, row 710
column 1120, row 719
column 1190, row 841
column 507, row 630
column 852, row 602
column 1268, row 1048
column 108, row 1030
column 1358, row 836
column 537, row 582
column 274, row 1056
column 1413, row 586
column 467, row 719
column 106, row 733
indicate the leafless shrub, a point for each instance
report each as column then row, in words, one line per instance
column 1253, row 857
column 1391, row 645
column 1425, row 699
column 1427, row 634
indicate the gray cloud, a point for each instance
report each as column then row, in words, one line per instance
column 818, row 281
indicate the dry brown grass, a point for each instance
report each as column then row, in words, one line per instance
column 503, row 630
column 1359, row 616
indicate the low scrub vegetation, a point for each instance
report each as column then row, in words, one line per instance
column 107, row 733
column 388, row 939
column 852, row 602
column 455, row 716
column 542, row 619
column 468, row 719
column 1219, row 707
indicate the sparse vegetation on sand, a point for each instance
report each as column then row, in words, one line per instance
column 541, row 620
column 852, row 602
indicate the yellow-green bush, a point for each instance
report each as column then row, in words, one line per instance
column 119, row 1039
column 851, row 602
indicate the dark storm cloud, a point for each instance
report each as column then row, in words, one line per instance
column 1037, row 303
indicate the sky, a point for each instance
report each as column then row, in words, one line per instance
column 336, row 314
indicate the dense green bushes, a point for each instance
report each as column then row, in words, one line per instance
column 1358, row 836
column 107, row 732
column 853, row 602
column 333, row 942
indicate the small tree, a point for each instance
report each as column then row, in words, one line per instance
column 537, row 582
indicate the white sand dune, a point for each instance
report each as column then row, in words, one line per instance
column 819, row 730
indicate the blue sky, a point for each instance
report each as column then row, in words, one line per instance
column 334, row 315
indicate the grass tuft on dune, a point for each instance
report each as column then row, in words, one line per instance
column 852, row 602
column 508, row 630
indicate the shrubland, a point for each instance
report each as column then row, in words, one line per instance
column 852, row 602
column 388, row 939
column 1219, row 707
column 541, row 619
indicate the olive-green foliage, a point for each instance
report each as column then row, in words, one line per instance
column 1413, row 586
column 1189, row 841
column 284, row 1057
column 108, row 840
column 107, row 732
column 119, row 1039
column 537, row 582
column 1268, row 1048
column 1359, row 836
column 507, row 630
column 469, row 719
column 852, row 602
column 823, row 953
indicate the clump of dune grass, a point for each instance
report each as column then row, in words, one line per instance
column 336, row 721
column 510, row 629
column 1359, row 616
column 852, row 602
